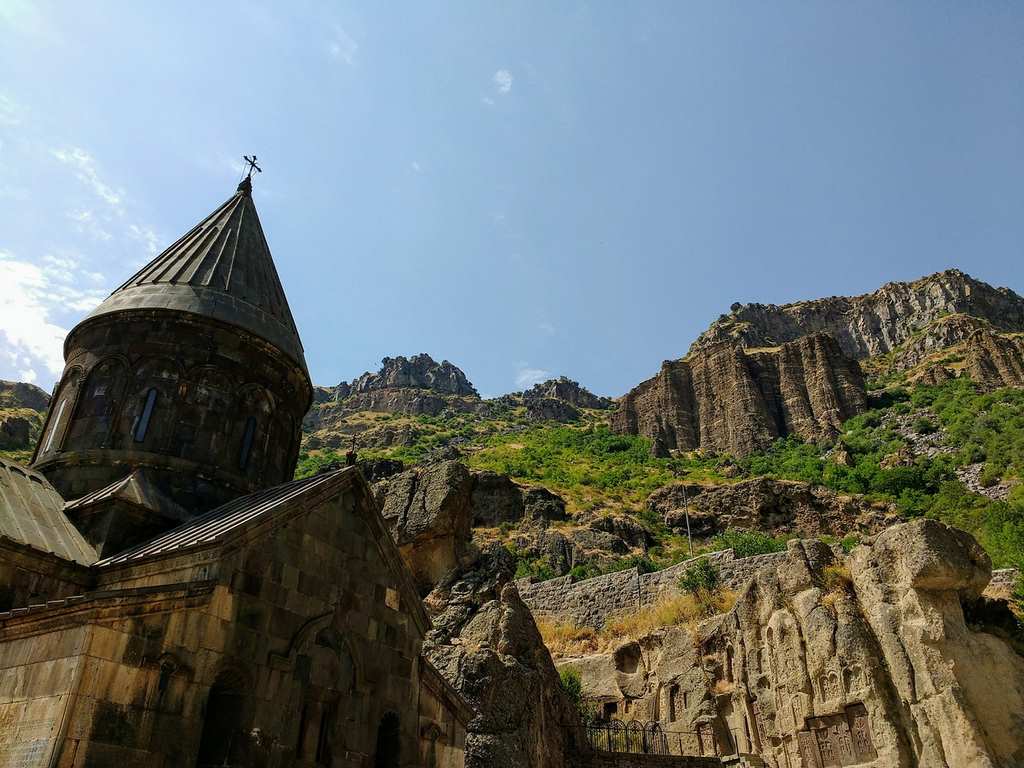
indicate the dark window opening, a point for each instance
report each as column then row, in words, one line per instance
column 247, row 438
column 223, row 740
column 673, row 695
column 388, row 744
column 324, row 753
column 142, row 425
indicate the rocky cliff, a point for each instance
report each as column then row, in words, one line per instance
column 995, row 360
column 722, row 398
column 873, row 323
column 22, row 407
column 777, row 507
column 890, row 656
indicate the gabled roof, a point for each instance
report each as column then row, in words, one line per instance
column 221, row 269
column 234, row 519
column 31, row 513
column 218, row 524
column 135, row 488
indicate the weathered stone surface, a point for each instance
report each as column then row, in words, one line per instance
column 417, row 372
column 873, row 323
column 15, row 432
column 487, row 645
column 19, row 394
column 722, row 399
column 995, row 360
column 551, row 409
column 773, row 506
column 428, row 510
column 568, row 391
column 496, row 499
column 826, row 660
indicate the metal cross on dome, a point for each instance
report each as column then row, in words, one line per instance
column 251, row 161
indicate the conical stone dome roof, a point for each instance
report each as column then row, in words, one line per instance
column 221, row 269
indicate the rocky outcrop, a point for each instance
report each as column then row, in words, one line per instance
column 417, row 372
column 15, row 432
column 873, row 323
column 496, row 499
column 882, row 657
column 486, row 644
column 19, row 394
column 777, row 507
column 723, row 399
column 568, row 391
column 995, row 360
column 429, row 514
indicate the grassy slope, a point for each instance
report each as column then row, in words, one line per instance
column 600, row 472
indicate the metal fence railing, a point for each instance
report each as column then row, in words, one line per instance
column 653, row 738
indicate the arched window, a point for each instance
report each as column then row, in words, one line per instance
column 247, row 437
column 389, row 745
column 139, row 433
column 54, row 425
column 97, row 407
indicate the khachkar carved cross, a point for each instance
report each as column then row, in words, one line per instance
column 251, row 162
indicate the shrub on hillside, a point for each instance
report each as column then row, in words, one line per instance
column 746, row 543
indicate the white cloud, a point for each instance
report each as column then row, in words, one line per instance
column 146, row 236
column 11, row 113
column 27, row 374
column 487, row 100
column 85, row 170
column 342, row 46
column 503, row 81
column 546, row 328
column 526, row 377
column 416, row 166
column 86, row 223
column 30, row 296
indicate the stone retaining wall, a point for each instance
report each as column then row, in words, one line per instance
column 589, row 603
column 598, row 759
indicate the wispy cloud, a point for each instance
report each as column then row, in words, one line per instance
column 503, row 81
column 11, row 113
column 85, row 168
column 86, row 223
column 526, row 377
column 415, row 165
column 30, row 296
column 342, row 46
column 546, row 328
column 487, row 100
column 146, row 236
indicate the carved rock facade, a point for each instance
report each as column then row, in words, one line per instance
column 811, row 670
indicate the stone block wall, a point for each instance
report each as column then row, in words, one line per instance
column 591, row 602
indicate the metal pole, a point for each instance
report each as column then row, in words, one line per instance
column 686, row 510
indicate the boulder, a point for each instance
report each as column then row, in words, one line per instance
column 485, row 642
column 428, row 511
column 774, row 506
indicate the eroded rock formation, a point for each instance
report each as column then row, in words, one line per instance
column 777, row 507
column 873, row 323
column 826, row 660
column 996, row 360
column 724, row 399
column 485, row 642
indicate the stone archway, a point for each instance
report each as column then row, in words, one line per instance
column 389, row 747
column 223, row 738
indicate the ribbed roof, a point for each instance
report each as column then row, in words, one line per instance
column 135, row 488
column 31, row 513
column 216, row 524
column 221, row 268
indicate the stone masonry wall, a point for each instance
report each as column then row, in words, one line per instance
column 590, row 602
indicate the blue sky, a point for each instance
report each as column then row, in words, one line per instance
column 524, row 189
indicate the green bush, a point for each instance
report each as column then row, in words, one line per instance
column 572, row 684
column 746, row 543
column 700, row 576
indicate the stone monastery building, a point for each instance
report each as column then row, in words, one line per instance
column 169, row 596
